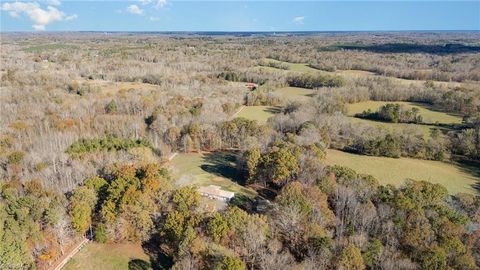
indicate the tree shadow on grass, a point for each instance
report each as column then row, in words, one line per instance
column 138, row 264
column 276, row 109
column 158, row 259
column 222, row 164
column 472, row 168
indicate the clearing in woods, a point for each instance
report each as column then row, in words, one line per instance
column 352, row 74
column 429, row 115
column 456, row 178
column 209, row 168
column 109, row 257
column 426, row 130
column 296, row 93
column 259, row 113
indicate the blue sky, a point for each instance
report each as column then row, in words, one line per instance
column 171, row 15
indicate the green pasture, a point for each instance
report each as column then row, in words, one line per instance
column 296, row 93
column 455, row 177
column 259, row 113
column 429, row 115
column 108, row 257
column 214, row 168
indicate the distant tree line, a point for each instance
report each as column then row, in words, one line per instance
column 315, row 80
column 394, row 113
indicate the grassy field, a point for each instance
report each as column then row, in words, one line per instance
column 296, row 93
column 429, row 116
column 425, row 129
column 394, row 171
column 351, row 74
column 109, row 88
column 259, row 113
column 107, row 257
column 300, row 67
column 354, row 73
column 203, row 169
column 47, row 47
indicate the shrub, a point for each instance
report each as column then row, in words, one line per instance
column 100, row 233
column 230, row 263
column 15, row 157
column 389, row 146
column 394, row 113
column 109, row 143
column 315, row 80
column 274, row 64
column 111, row 107
column 152, row 79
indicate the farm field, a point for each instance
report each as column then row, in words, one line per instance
column 108, row 257
column 300, row 67
column 353, row 74
column 429, row 116
column 394, row 171
column 259, row 113
column 425, row 129
column 296, row 93
column 203, row 169
column 112, row 88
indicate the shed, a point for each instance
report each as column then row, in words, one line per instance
column 251, row 86
column 216, row 193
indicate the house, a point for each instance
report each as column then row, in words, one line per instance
column 216, row 193
column 251, row 86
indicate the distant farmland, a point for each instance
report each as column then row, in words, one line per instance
column 429, row 115
column 394, row 171
column 259, row 113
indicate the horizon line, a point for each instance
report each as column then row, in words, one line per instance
column 234, row 31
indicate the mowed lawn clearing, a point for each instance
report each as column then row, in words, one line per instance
column 429, row 115
column 394, row 171
column 209, row 168
column 108, row 257
column 353, row 74
column 110, row 88
column 259, row 113
column 296, row 93
column 300, row 67
column 426, row 130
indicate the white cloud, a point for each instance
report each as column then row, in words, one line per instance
column 157, row 4
column 40, row 17
column 54, row 2
column 39, row 27
column 154, row 18
column 298, row 20
column 145, row 2
column 160, row 4
column 71, row 17
column 134, row 9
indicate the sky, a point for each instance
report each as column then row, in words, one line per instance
column 246, row 15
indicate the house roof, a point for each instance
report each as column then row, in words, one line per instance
column 214, row 190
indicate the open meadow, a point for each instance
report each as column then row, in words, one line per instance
column 353, row 74
column 258, row 113
column 295, row 93
column 429, row 115
column 109, row 257
column 203, row 169
column 426, row 130
column 456, row 178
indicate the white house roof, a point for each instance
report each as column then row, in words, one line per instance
column 214, row 190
